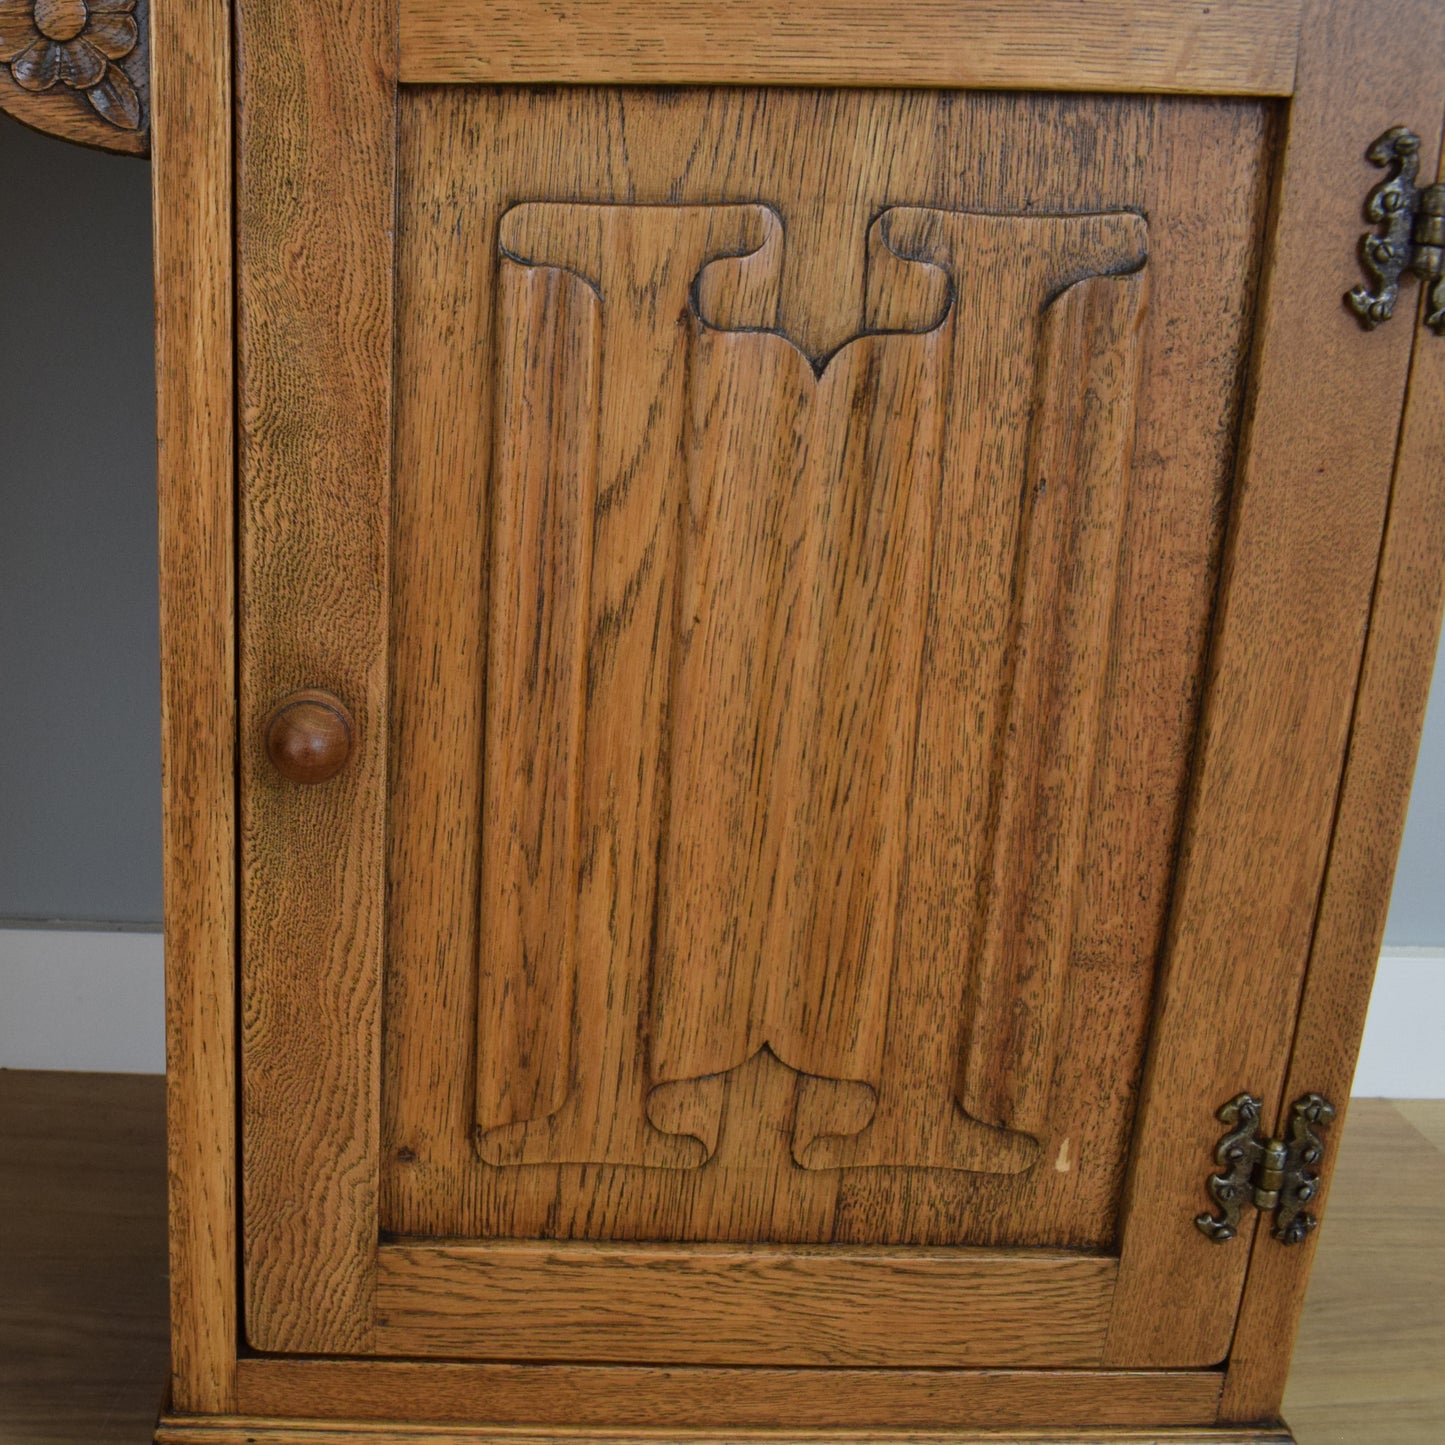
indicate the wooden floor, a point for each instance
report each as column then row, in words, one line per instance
column 83, row 1298
column 82, row 1257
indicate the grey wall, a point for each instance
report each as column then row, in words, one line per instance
column 79, row 735
column 79, row 686
column 1417, row 906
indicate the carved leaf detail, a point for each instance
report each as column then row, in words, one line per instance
column 37, row 67
column 115, row 98
column 81, row 65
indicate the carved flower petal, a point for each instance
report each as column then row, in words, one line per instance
column 116, row 99
column 81, row 64
column 17, row 30
column 38, row 66
column 110, row 7
column 113, row 35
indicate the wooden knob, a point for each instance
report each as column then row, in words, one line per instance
column 309, row 736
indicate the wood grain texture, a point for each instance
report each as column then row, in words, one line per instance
column 1080, row 441
column 82, row 76
column 92, row 1148
column 1394, row 689
column 250, row 1431
column 194, row 274
column 719, row 1305
column 467, row 156
column 841, row 653
column 1308, row 516
column 544, row 494
column 82, row 1268
column 1229, row 47
column 315, row 216
column 779, row 859
column 749, row 733
column 644, row 261
column 601, row 1397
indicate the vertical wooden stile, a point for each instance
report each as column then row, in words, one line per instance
column 1394, row 690
column 191, row 170
column 315, row 207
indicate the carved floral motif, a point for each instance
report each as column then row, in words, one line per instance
column 76, row 44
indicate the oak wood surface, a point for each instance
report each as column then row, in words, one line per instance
column 1389, row 712
column 179, row 1431
column 758, row 717
column 1228, row 47
column 1196, row 168
column 1080, row 446
column 1308, row 514
column 191, row 172
column 316, row 548
column 724, row 1305
column 314, row 214
column 541, row 568
column 692, row 1398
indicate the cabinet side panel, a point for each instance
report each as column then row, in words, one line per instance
column 1389, row 714
column 191, row 173
column 315, row 212
column 469, row 156
column 1310, row 499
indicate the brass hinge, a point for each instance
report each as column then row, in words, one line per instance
column 1271, row 1174
column 1413, row 238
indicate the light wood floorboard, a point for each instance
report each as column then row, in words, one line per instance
column 83, row 1292
column 1370, row 1361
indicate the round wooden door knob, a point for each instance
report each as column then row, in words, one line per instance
column 309, row 736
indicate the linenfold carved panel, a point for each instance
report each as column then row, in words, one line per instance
column 794, row 676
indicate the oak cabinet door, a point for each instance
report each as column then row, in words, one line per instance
column 837, row 706
column 823, row 593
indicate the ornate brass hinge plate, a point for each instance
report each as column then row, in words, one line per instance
column 1413, row 238
column 1271, row 1174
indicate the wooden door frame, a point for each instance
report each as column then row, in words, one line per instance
column 1374, row 794
column 193, row 222
column 192, row 66
column 1306, row 527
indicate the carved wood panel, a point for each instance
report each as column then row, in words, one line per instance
column 78, row 69
column 794, row 678
column 778, row 680
column 806, row 521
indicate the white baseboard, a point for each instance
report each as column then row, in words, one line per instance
column 95, row 1000
column 1403, row 1055
column 91, row 1000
